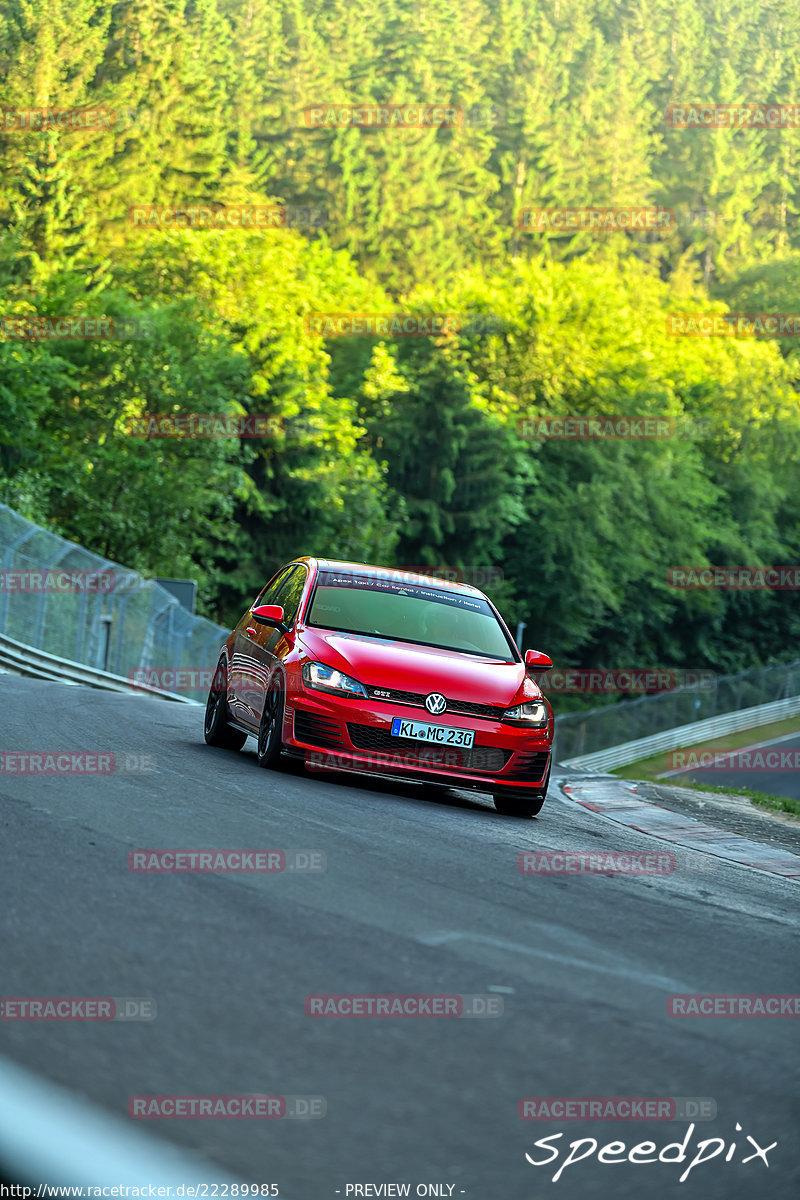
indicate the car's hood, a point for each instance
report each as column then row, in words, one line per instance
column 381, row 663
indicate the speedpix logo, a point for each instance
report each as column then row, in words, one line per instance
column 645, row 1152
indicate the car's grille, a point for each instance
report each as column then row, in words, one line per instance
column 482, row 759
column 317, row 731
column 417, row 700
column 530, row 766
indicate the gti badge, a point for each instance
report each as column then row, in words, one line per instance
column 435, row 703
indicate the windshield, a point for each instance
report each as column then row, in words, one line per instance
column 378, row 606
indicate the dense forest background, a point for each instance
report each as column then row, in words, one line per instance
column 406, row 450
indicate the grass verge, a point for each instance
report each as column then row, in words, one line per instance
column 650, row 768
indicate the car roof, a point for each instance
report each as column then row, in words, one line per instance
column 353, row 568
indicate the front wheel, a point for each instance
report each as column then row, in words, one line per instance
column 522, row 804
column 269, row 745
column 216, row 729
column 519, row 805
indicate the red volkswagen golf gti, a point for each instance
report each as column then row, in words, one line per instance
column 369, row 669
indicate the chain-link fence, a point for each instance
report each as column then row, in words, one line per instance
column 66, row 601
column 597, row 729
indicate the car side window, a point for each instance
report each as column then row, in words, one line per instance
column 271, row 590
column 291, row 593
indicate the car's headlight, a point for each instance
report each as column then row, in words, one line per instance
column 328, row 679
column 533, row 713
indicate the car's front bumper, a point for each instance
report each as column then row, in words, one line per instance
column 354, row 735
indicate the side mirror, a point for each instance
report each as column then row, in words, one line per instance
column 270, row 614
column 535, row 660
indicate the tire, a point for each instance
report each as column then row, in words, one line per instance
column 269, row 744
column 216, row 729
column 521, row 804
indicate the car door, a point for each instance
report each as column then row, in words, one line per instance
column 275, row 645
column 247, row 677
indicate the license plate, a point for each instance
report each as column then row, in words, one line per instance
column 442, row 735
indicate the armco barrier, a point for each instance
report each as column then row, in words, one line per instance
column 581, row 734
column 101, row 636
column 684, row 735
column 27, row 660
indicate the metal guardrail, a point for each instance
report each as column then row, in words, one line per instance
column 81, row 608
column 580, row 734
column 685, row 735
column 27, row 660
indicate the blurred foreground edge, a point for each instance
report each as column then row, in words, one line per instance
column 54, row 1137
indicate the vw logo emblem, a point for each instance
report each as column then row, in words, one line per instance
column 435, row 703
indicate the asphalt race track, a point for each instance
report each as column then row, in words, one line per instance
column 774, row 783
column 419, row 895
